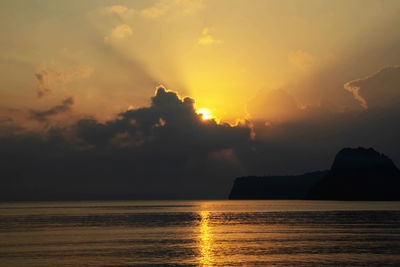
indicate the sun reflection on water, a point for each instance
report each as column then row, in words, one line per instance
column 205, row 240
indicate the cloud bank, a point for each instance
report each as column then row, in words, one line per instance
column 42, row 115
column 378, row 90
column 167, row 150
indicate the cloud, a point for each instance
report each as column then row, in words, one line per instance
column 166, row 149
column 119, row 10
column 162, row 7
column 120, row 32
column 42, row 115
column 42, row 87
column 290, row 134
column 157, row 10
column 355, row 91
column 190, row 6
column 380, row 89
column 47, row 79
column 163, row 150
column 207, row 39
column 8, row 127
column 170, row 119
column 302, row 60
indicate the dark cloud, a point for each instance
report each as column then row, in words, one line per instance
column 324, row 85
column 42, row 115
column 310, row 141
column 306, row 145
column 8, row 127
column 169, row 121
column 166, row 150
column 381, row 89
column 42, row 87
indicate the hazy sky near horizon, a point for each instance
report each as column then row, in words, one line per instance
column 296, row 80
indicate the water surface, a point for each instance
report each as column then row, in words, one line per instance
column 208, row 233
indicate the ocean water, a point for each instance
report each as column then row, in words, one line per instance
column 207, row 233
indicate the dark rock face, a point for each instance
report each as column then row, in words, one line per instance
column 359, row 174
column 274, row 187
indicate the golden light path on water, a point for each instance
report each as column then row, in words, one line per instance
column 205, row 240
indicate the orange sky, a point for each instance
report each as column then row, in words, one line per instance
column 110, row 55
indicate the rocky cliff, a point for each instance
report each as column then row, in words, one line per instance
column 359, row 174
column 356, row 174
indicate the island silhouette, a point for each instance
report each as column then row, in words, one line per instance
column 356, row 174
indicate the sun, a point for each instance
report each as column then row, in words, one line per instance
column 206, row 113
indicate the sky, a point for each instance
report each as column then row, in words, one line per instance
column 110, row 97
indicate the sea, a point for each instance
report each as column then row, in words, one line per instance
column 200, row 233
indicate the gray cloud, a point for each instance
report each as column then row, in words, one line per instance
column 307, row 137
column 42, row 115
column 381, row 89
column 42, row 87
column 169, row 120
column 8, row 126
column 166, row 150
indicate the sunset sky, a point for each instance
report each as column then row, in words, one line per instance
column 292, row 78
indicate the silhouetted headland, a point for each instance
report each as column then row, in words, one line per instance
column 359, row 174
column 356, row 174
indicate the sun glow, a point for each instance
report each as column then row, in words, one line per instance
column 206, row 113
